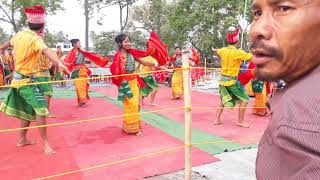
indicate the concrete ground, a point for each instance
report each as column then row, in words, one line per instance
column 238, row 165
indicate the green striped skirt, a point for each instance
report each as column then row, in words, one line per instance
column 25, row 103
column 230, row 95
column 151, row 84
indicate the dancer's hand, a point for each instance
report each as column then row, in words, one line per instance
column 64, row 68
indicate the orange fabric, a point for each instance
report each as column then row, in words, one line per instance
column 261, row 100
column 82, row 86
column 1, row 78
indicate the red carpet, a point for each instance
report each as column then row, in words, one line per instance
column 89, row 144
column 203, row 119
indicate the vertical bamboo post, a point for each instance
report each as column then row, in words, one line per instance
column 187, row 115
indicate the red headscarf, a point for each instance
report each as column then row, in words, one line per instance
column 233, row 35
column 35, row 14
column 156, row 49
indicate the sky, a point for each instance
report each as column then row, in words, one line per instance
column 72, row 20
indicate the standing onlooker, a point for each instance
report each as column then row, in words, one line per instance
column 286, row 41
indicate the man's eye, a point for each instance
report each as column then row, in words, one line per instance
column 284, row 8
column 257, row 13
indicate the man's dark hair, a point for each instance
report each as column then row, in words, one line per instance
column 58, row 47
column 35, row 27
column 178, row 47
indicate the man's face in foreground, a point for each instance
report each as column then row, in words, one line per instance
column 285, row 38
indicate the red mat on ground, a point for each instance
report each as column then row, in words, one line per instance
column 203, row 118
column 89, row 144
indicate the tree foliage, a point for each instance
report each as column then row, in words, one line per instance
column 104, row 42
column 55, row 37
column 12, row 11
column 201, row 23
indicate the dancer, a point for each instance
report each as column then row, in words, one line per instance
column 125, row 62
column 231, row 91
column 58, row 74
column 151, row 85
column 8, row 65
column 27, row 102
column 260, row 89
column 75, row 61
column 177, row 78
column 196, row 72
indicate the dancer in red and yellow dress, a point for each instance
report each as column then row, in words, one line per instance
column 125, row 62
column 75, row 61
column 177, row 79
column 259, row 89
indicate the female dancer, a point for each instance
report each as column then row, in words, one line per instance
column 126, row 62
column 75, row 61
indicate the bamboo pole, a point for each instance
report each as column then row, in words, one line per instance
column 187, row 115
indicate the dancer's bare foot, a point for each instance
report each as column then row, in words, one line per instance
column 26, row 142
column 175, row 98
column 48, row 151
column 83, row 104
column 243, row 124
column 51, row 116
column 140, row 133
column 268, row 114
column 153, row 104
column 216, row 123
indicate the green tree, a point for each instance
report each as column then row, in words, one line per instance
column 123, row 5
column 203, row 23
column 12, row 11
column 104, row 42
column 151, row 16
column 50, row 39
column 92, row 6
